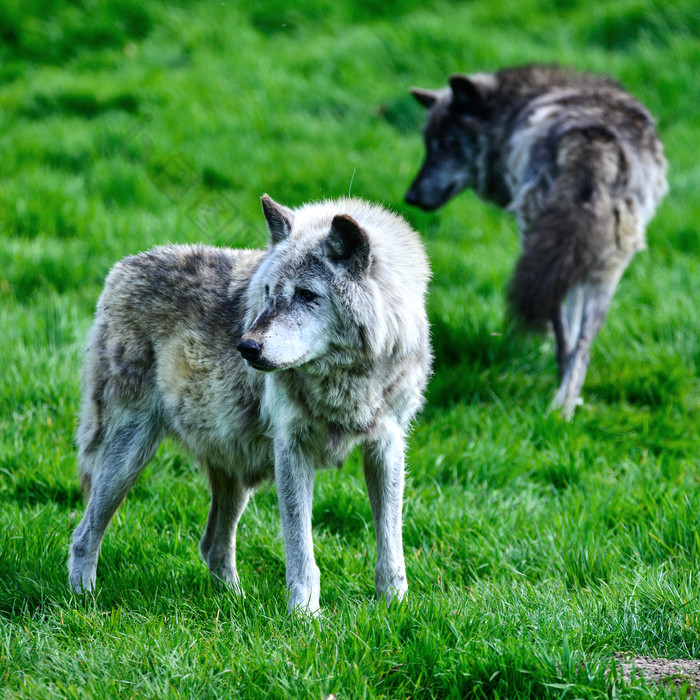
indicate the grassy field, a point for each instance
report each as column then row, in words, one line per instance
column 535, row 548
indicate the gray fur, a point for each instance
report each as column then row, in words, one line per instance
column 331, row 320
column 580, row 164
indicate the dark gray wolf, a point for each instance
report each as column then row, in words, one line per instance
column 263, row 364
column 579, row 163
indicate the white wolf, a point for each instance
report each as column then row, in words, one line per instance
column 262, row 363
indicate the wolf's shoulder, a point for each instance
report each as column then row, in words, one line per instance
column 180, row 260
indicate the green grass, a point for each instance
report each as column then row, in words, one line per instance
column 535, row 548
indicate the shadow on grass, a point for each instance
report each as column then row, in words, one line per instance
column 654, row 382
column 470, row 362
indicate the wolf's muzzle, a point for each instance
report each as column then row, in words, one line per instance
column 427, row 198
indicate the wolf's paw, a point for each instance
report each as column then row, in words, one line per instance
column 568, row 409
column 304, row 601
column 565, row 405
column 393, row 596
column 79, row 584
column 223, row 576
column 392, row 591
column 228, row 583
column 304, row 611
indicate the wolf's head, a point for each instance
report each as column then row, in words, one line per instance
column 293, row 295
column 454, row 134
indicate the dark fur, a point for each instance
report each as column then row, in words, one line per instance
column 576, row 159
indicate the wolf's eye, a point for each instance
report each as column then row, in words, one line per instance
column 267, row 291
column 305, row 294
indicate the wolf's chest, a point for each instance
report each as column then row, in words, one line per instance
column 341, row 405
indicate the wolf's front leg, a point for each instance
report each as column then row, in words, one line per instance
column 384, row 475
column 294, row 475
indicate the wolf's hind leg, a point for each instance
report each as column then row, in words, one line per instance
column 117, row 460
column 229, row 498
column 384, row 476
column 596, row 301
column 566, row 323
column 574, row 311
column 562, row 341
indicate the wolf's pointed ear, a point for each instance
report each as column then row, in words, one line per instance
column 279, row 218
column 468, row 96
column 426, row 97
column 347, row 245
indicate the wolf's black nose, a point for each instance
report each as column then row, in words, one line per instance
column 250, row 349
column 411, row 197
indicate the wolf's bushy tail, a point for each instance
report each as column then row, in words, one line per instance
column 567, row 238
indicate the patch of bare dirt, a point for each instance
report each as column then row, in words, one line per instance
column 676, row 672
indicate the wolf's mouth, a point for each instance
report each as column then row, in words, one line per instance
column 262, row 366
column 266, row 366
